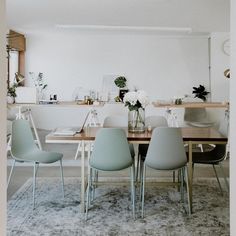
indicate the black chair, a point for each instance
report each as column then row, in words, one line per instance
column 213, row 157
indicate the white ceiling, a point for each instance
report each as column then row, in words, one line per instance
column 200, row 15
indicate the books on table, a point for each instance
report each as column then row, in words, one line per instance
column 70, row 131
column 66, row 131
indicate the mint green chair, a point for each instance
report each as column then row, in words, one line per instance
column 24, row 149
column 153, row 121
column 110, row 153
column 117, row 121
column 166, row 153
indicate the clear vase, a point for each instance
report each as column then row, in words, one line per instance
column 136, row 120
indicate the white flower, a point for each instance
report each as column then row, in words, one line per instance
column 142, row 98
column 131, row 97
column 136, row 99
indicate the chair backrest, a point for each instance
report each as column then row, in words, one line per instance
column 111, row 150
column 22, row 138
column 224, row 127
column 115, row 121
column 156, row 121
column 195, row 114
column 166, row 149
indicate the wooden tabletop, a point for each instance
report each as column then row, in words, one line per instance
column 192, row 105
column 188, row 133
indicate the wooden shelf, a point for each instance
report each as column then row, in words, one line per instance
column 192, row 105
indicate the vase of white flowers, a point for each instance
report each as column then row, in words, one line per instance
column 136, row 102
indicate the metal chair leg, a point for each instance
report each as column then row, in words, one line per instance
column 182, row 184
column 62, row 179
column 34, row 184
column 10, row 175
column 143, row 188
column 224, row 176
column 173, row 176
column 217, row 179
column 132, row 170
column 88, row 194
column 138, row 168
column 140, row 181
column 188, row 193
column 192, row 169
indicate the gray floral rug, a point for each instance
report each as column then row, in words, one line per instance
column 110, row 213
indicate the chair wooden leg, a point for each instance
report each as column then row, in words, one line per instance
column 217, row 178
column 62, row 179
column 143, row 188
column 10, row 175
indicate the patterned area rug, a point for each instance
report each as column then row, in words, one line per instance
column 110, row 213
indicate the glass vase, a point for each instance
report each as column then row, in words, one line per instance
column 136, row 121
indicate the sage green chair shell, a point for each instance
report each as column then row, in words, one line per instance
column 110, row 153
column 153, row 121
column 117, row 121
column 166, row 152
column 24, row 149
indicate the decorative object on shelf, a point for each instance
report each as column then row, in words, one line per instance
column 136, row 102
column 39, row 84
column 11, row 93
column 178, row 101
column 200, row 92
column 120, row 82
column 227, row 73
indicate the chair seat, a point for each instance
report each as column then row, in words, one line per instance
column 40, row 156
column 201, row 124
column 211, row 157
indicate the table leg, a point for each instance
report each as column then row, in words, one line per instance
column 82, row 177
column 35, row 130
column 190, row 172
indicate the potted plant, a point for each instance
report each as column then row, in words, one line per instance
column 120, row 82
column 200, row 92
column 11, row 93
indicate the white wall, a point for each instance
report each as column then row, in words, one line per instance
column 164, row 66
column 219, row 63
column 150, row 62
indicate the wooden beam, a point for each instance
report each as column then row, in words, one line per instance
column 16, row 41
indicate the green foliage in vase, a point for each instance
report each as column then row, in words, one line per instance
column 200, row 92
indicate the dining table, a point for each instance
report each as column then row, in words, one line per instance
column 190, row 135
